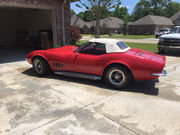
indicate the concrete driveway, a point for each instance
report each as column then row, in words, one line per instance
column 56, row 105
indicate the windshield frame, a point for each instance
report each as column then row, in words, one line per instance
column 81, row 47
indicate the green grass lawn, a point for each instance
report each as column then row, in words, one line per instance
column 80, row 42
column 87, row 35
column 128, row 36
column 144, row 46
column 123, row 36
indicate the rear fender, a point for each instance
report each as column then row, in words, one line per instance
column 119, row 62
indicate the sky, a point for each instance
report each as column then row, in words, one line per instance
column 130, row 4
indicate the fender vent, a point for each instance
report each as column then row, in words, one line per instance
column 57, row 65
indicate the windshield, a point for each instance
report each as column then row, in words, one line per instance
column 175, row 30
column 122, row 45
column 83, row 46
column 163, row 30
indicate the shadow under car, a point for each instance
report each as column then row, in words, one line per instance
column 146, row 87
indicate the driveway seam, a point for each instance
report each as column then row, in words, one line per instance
column 102, row 99
column 67, row 96
column 83, row 106
column 120, row 124
column 86, row 106
column 51, row 121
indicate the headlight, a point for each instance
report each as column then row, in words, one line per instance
column 161, row 40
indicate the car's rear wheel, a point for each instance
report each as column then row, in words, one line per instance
column 40, row 66
column 117, row 77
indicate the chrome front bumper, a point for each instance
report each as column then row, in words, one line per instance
column 160, row 74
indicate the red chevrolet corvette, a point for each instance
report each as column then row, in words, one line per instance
column 108, row 59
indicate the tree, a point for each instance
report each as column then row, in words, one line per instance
column 141, row 9
column 171, row 9
column 88, row 16
column 81, row 15
column 97, row 7
column 75, row 35
column 120, row 12
column 72, row 12
column 158, row 6
column 155, row 7
column 106, row 13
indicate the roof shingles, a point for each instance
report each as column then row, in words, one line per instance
column 153, row 20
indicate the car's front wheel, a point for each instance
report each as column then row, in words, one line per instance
column 117, row 77
column 40, row 66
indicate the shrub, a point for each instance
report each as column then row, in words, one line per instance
column 75, row 35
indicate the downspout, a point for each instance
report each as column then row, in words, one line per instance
column 63, row 25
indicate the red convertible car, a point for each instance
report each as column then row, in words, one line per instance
column 108, row 59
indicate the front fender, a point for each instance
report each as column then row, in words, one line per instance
column 34, row 54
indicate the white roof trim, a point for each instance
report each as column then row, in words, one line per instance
column 111, row 46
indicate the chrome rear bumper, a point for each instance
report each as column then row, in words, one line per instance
column 160, row 74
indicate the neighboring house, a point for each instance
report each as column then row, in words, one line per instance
column 31, row 16
column 129, row 23
column 176, row 18
column 83, row 26
column 149, row 25
column 109, row 25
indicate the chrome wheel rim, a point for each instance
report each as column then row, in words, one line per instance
column 38, row 66
column 116, row 77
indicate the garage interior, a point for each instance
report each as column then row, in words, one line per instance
column 26, row 28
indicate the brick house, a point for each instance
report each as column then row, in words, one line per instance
column 109, row 25
column 83, row 26
column 32, row 16
column 176, row 18
column 149, row 24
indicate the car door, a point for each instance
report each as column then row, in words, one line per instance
column 89, row 59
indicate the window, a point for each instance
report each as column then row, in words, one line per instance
column 162, row 30
column 174, row 30
column 93, row 48
column 178, row 31
column 122, row 45
column 100, row 46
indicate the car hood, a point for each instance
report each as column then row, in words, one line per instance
column 62, row 49
column 171, row 36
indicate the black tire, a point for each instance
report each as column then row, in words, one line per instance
column 117, row 77
column 40, row 66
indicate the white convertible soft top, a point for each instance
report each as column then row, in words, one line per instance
column 111, row 45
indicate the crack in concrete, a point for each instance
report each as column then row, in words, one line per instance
column 120, row 124
column 84, row 106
